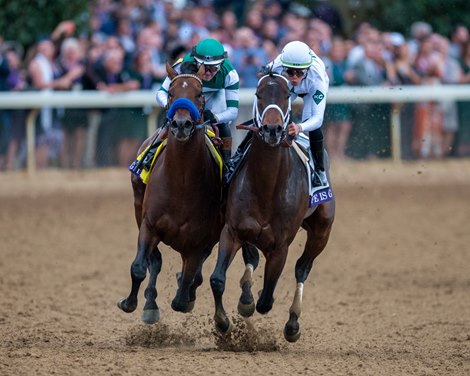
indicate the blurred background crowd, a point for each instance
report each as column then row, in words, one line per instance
column 128, row 42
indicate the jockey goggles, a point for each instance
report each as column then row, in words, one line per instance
column 291, row 72
column 210, row 68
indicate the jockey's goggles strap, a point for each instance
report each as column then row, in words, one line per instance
column 208, row 58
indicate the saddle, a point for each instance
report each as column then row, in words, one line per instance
column 211, row 143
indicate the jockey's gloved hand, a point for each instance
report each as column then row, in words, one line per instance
column 209, row 116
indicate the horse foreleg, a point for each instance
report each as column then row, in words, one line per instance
column 138, row 187
column 151, row 313
column 318, row 227
column 246, row 303
column 275, row 261
column 138, row 269
column 228, row 247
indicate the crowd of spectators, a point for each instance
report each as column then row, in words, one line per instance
column 128, row 43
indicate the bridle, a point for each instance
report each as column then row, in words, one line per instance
column 196, row 113
column 258, row 117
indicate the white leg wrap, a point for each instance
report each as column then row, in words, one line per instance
column 247, row 276
column 296, row 306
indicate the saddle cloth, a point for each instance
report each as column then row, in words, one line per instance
column 317, row 195
column 145, row 174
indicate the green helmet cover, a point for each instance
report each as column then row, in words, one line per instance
column 209, row 51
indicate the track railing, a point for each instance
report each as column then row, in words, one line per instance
column 34, row 100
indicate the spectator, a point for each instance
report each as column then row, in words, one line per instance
column 420, row 31
column 337, row 116
column 14, row 121
column 463, row 135
column 248, row 57
column 427, row 131
column 459, row 37
column 401, row 72
column 149, row 40
column 132, row 135
column 45, row 76
column 113, row 78
column 450, row 74
column 75, row 120
column 372, row 120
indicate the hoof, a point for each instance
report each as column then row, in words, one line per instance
column 151, row 316
column 184, row 308
column 246, row 310
column 290, row 336
column 123, row 304
column 292, row 328
column 264, row 308
column 190, row 306
column 224, row 327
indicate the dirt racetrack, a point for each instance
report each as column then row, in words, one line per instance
column 390, row 295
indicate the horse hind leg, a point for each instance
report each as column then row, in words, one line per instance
column 198, row 279
column 138, row 269
column 246, row 303
column 318, row 228
column 151, row 312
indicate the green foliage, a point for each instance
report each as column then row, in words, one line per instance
column 398, row 15
column 25, row 20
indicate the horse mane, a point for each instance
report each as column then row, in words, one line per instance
column 188, row 67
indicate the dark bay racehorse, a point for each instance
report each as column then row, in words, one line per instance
column 180, row 206
column 268, row 201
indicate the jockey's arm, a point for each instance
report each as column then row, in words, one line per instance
column 227, row 116
column 314, row 105
column 162, row 93
column 232, row 88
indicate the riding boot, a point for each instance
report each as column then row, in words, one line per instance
column 237, row 157
column 225, row 153
column 317, row 149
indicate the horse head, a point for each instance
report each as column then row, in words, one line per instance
column 271, row 109
column 185, row 103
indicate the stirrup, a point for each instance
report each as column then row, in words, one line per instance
column 320, row 180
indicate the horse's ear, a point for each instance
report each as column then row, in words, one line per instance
column 171, row 71
column 264, row 71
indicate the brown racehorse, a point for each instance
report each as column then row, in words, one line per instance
column 268, row 201
column 180, row 206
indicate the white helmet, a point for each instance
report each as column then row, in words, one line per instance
column 296, row 55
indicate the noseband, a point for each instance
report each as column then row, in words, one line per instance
column 258, row 118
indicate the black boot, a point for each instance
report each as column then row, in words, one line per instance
column 238, row 156
column 317, row 149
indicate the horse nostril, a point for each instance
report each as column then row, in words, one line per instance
column 188, row 124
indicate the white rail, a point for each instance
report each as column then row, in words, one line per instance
column 94, row 99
